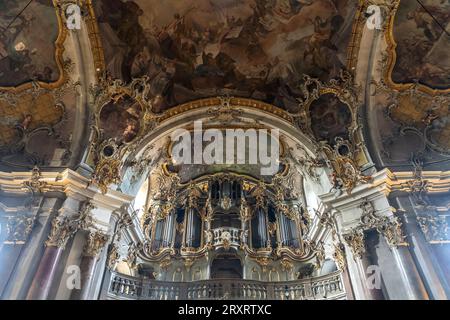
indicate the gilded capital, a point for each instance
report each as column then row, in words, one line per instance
column 355, row 240
column 63, row 228
column 95, row 243
column 391, row 229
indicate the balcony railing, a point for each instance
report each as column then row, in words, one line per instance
column 226, row 237
column 328, row 287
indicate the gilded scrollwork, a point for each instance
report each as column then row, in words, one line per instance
column 263, row 263
column 389, row 227
column 209, row 237
column 245, row 212
column 35, row 184
column 417, row 112
column 343, row 149
column 418, row 185
column 106, row 173
column 355, row 240
column 259, row 193
column 62, row 229
column 326, row 219
column 96, row 240
column 124, row 221
column 305, row 162
column 319, row 251
column 192, row 197
column 188, row 263
column 130, row 105
column 347, row 174
column 225, row 112
column 287, row 265
column 165, row 264
column 339, row 256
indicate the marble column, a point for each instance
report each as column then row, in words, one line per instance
column 95, row 243
column 22, row 276
column 433, row 277
column 432, row 274
column 400, row 276
column 45, row 274
column 364, row 264
column 63, row 228
column 358, row 263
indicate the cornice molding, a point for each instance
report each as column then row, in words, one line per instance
column 68, row 182
column 385, row 182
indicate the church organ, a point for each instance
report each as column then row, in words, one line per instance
column 239, row 215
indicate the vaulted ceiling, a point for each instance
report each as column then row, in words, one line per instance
column 261, row 50
column 255, row 49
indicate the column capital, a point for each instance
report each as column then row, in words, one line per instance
column 63, row 228
column 355, row 240
column 96, row 240
column 18, row 228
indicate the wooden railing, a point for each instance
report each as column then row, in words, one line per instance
column 328, row 287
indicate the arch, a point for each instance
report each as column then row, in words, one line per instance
column 226, row 266
column 184, row 116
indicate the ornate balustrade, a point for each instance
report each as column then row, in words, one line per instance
column 329, row 287
column 226, row 237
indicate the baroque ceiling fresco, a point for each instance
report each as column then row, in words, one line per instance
column 254, row 49
column 282, row 53
column 27, row 43
column 413, row 99
column 37, row 98
column 422, row 44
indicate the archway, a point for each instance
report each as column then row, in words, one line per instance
column 226, row 266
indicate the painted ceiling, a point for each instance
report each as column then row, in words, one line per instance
column 422, row 44
column 27, row 43
column 255, row 49
column 190, row 50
